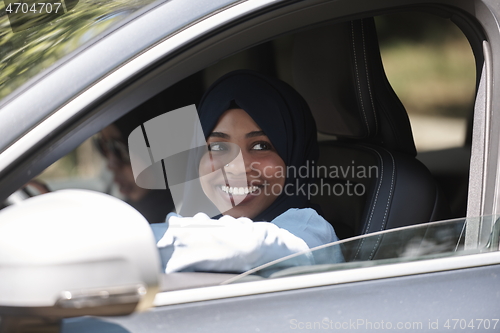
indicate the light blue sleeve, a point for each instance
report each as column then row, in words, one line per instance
column 308, row 225
column 159, row 229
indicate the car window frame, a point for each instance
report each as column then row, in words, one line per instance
column 229, row 285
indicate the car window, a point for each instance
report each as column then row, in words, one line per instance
column 28, row 51
column 85, row 167
column 432, row 70
column 430, row 65
column 421, row 242
column 102, row 163
column 416, row 82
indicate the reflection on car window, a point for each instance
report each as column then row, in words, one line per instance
column 432, row 70
column 26, row 53
column 83, row 168
column 430, row 64
column 426, row 241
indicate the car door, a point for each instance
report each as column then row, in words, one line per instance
column 173, row 40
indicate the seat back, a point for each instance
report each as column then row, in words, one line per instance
column 338, row 70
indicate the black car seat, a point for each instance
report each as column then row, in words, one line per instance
column 338, row 70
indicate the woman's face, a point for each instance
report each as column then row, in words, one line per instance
column 252, row 185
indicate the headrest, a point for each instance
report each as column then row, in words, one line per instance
column 338, row 68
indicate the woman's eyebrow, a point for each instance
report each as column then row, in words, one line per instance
column 254, row 134
column 219, row 135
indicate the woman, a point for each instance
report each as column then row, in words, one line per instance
column 259, row 131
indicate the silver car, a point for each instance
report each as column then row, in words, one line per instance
column 420, row 236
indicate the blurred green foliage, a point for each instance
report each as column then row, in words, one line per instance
column 429, row 63
column 26, row 53
column 25, row 14
column 415, row 27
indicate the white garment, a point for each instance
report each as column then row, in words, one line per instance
column 236, row 245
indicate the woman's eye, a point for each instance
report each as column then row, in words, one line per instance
column 217, row 146
column 262, row 146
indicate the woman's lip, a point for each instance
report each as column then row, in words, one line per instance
column 239, row 183
column 235, row 183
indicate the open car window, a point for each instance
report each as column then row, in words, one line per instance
column 414, row 83
column 407, row 244
column 84, row 168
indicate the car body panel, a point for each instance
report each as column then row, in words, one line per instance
column 425, row 299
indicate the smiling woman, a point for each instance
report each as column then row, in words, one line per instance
column 255, row 127
column 275, row 130
column 244, row 186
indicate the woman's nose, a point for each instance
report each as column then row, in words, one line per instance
column 240, row 165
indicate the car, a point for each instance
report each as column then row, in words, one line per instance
column 419, row 229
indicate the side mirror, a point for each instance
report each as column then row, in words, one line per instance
column 73, row 253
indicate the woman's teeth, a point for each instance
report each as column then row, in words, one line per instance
column 239, row 190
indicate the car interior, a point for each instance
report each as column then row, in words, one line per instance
column 363, row 128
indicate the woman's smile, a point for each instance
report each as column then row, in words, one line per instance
column 238, row 195
column 238, row 190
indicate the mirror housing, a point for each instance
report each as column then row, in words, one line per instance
column 73, row 253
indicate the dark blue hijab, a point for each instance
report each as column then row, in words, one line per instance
column 281, row 113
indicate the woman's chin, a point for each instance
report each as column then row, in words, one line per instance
column 238, row 212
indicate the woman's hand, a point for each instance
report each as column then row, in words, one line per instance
column 226, row 245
